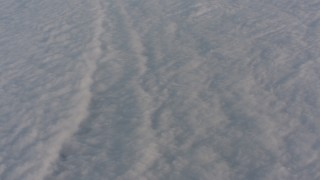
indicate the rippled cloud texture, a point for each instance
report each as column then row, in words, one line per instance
column 159, row 90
